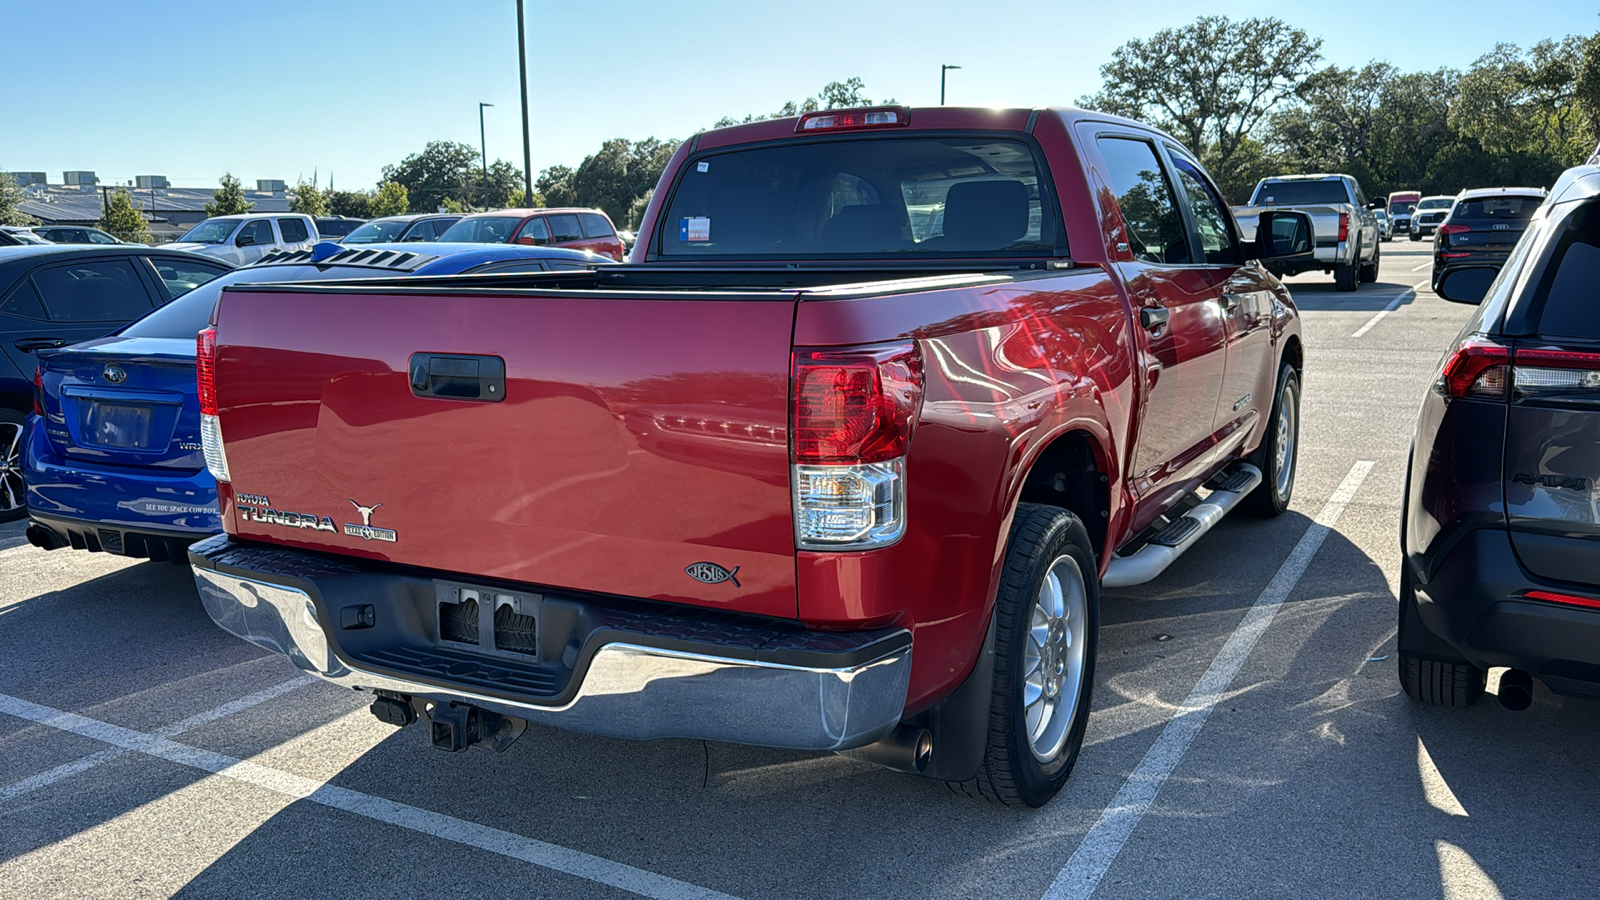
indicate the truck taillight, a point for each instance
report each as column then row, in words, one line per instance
column 1344, row 227
column 205, row 369
column 842, row 119
column 854, row 411
column 38, row 391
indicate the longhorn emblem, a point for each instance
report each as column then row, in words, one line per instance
column 366, row 511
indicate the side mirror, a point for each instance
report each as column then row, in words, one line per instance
column 1284, row 235
column 243, row 240
column 1468, row 284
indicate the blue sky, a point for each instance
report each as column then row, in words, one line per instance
column 192, row 89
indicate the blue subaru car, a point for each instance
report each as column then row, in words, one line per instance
column 112, row 459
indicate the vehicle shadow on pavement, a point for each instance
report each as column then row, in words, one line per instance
column 1369, row 297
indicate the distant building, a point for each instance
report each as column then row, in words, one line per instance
column 170, row 210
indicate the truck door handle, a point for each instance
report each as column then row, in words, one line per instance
column 28, row 345
column 453, row 376
column 1154, row 318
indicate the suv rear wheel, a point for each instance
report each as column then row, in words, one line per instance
column 1047, row 632
column 1430, row 671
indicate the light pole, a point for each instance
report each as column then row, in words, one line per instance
column 527, row 147
column 484, row 144
column 942, row 70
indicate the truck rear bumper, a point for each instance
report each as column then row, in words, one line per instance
column 622, row 668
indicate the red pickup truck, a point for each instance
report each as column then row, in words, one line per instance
column 839, row 462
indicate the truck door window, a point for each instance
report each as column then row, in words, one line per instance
column 1210, row 215
column 1156, row 232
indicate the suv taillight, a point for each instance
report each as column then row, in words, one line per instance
column 854, row 411
column 205, row 369
column 1475, row 368
column 1454, row 228
column 1544, row 372
column 38, row 391
column 1344, row 227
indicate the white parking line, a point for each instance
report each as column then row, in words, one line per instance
column 1393, row 305
column 298, row 787
column 1423, row 266
column 1106, row 838
column 67, row 770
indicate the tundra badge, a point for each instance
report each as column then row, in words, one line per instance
column 711, row 573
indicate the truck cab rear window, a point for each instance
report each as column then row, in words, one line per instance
column 866, row 197
column 1300, row 193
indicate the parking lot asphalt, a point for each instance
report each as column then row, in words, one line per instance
column 1249, row 737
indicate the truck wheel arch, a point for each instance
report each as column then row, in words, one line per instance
column 1071, row 471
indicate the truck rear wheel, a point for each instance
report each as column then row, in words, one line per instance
column 1345, row 277
column 1047, row 632
column 1369, row 271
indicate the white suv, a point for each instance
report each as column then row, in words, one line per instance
column 243, row 239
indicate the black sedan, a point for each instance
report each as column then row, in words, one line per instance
column 1482, row 227
column 1500, row 532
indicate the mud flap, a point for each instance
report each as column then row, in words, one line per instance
column 960, row 725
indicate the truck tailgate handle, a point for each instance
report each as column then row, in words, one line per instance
column 453, row 376
column 1154, row 317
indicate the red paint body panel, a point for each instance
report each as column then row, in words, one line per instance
column 593, row 474
column 642, row 435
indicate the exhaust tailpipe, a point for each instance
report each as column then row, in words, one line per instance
column 40, row 537
column 908, row 748
column 1516, row 689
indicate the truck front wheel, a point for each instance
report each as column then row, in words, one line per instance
column 1047, row 632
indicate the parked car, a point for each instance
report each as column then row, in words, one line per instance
column 393, row 229
column 1482, row 227
column 243, row 239
column 17, row 236
column 1430, row 212
column 732, row 492
column 1346, row 230
column 75, row 234
column 56, row 294
column 1401, row 205
column 1501, row 527
column 113, row 461
column 578, row 229
column 337, row 228
column 1385, row 227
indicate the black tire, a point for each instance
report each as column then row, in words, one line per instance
column 13, row 499
column 1345, row 278
column 1430, row 670
column 1271, row 497
column 1369, row 271
column 1415, row 236
column 1042, row 537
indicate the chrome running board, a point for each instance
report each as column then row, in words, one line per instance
column 1162, row 550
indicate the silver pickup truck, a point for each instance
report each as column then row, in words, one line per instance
column 1346, row 231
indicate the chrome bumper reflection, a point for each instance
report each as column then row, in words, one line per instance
column 629, row 691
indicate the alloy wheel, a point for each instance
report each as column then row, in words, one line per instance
column 1054, row 659
column 12, row 494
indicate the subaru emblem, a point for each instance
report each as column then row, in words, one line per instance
column 115, row 374
column 711, row 573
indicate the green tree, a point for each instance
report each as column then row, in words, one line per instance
column 503, row 189
column 11, row 198
column 308, row 200
column 556, row 185
column 613, row 179
column 845, row 94
column 1213, row 83
column 349, row 203
column 389, row 200
column 123, row 219
column 442, row 169
column 228, row 200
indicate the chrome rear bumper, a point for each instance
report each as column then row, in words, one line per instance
column 629, row 690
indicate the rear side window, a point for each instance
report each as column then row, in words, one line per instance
column 1569, row 305
column 24, row 302
column 96, row 291
column 1504, row 209
column 595, row 226
column 294, row 230
column 259, row 231
column 1156, row 232
column 564, row 228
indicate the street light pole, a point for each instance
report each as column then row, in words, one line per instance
column 527, row 147
column 942, row 70
column 484, row 144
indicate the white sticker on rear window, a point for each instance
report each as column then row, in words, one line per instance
column 702, row 167
column 694, row 228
